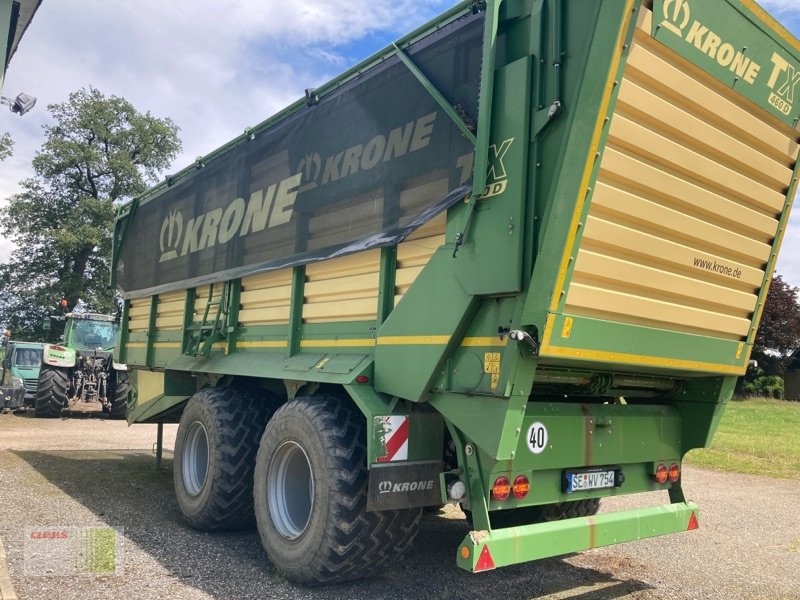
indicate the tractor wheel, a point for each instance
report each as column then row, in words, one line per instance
column 119, row 396
column 51, row 391
column 215, row 451
column 310, row 494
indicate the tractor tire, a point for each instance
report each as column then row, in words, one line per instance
column 51, row 391
column 214, row 459
column 310, row 494
column 119, row 396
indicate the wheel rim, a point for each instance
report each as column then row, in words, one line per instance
column 195, row 459
column 290, row 490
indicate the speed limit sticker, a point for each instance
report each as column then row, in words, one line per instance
column 537, row 438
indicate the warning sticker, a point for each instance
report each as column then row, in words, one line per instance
column 491, row 365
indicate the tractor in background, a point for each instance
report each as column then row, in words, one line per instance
column 81, row 369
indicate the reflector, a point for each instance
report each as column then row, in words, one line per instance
column 693, row 524
column 485, row 561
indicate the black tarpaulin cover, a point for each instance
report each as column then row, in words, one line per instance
column 371, row 161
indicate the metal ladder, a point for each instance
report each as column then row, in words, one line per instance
column 209, row 331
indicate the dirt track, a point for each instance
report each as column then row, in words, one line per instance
column 86, row 472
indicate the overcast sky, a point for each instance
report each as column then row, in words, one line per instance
column 216, row 68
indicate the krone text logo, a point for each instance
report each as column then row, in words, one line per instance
column 265, row 209
column 677, row 15
column 783, row 83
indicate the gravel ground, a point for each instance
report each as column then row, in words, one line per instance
column 93, row 472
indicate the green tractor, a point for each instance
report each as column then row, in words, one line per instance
column 81, row 369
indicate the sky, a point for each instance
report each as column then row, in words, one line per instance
column 216, row 68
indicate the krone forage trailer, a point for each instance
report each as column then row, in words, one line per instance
column 515, row 260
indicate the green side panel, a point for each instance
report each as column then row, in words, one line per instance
column 724, row 38
column 532, row 542
column 490, row 260
column 425, row 427
column 592, row 341
column 564, row 147
column 422, row 330
column 598, row 434
column 487, row 421
column 274, row 365
column 701, row 405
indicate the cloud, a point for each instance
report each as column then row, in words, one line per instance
column 213, row 68
column 780, row 6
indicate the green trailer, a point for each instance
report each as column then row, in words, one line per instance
column 515, row 260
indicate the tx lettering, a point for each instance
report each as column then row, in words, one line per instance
column 783, row 82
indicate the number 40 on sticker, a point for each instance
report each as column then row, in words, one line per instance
column 537, row 438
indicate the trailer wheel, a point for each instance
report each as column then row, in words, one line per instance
column 51, row 391
column 543, row 513
column 310, row 494
column 567, row 510
column 215, row 451
column 119, row 396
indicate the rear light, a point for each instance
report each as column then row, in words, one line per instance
column 661, row 474
column 501, row 488
column 520, row 487
column 673, row 473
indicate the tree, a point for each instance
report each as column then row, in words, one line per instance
column 778, row 334
column 6, row 146
column 99, row 153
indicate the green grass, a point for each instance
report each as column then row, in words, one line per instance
column 757, row 436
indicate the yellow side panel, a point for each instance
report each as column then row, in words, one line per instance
column 685, row 208
column 415, row 252
column 148, row 385
column 169, row 310
column 265, row 298
column 138, row 315
column 342, row 289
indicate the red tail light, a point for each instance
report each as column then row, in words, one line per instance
column 674, row 473
column 661, row 474
column 501, row 489
column 520, row 487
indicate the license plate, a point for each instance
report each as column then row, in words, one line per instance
column 578, row 481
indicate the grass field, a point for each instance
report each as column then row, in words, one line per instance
column 756, row 436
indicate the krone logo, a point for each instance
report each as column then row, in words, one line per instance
column 310, row 166
column 676, row 16
column 384, row 487
column 171, row 231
